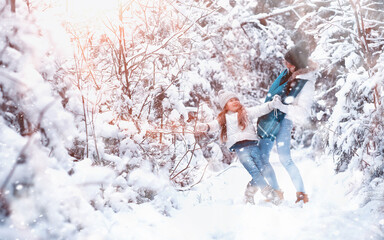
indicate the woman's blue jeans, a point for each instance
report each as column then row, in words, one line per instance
column 250, row 157
column 283, row 144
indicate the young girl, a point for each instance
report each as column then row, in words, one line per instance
column 298, row 79
column 239, row 135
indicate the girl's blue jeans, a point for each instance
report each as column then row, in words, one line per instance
column 283, row 144
column 250, row 157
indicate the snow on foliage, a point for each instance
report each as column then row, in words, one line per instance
column 97, row 121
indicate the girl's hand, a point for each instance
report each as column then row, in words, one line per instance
column 201, row 127
column 276, row 98
column 276, row 101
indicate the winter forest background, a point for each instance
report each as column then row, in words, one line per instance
column 99, row 100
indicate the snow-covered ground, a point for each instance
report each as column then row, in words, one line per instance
column 213, row 209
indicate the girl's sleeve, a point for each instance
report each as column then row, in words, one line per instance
column 259, row 110
column 213, row 126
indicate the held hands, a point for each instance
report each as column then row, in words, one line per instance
column 277, row 104
column 276, row 101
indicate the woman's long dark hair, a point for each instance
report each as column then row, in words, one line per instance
column 298, row 55
column 242, row 120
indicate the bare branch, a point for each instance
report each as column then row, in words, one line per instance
column 274, row 13
column 21, row 159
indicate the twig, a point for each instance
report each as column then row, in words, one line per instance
column 209, row 162
column 223, row 171
column 86, row 63
column 192, row 152
column 166, row 131
column 201, row 178
column 21, row 159
column 274, row 13
column 177, row 165
column 189, row 162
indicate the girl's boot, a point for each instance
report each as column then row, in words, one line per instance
column 249, row 194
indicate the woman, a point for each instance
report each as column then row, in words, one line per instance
column 239, row 135
column 295, row 86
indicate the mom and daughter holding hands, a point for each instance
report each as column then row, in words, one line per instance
column 288, row 101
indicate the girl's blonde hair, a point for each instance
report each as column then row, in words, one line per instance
column 242, row 120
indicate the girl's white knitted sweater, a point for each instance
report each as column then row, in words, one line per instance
column 234, row 132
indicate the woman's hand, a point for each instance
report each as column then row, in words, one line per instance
column 277, row 104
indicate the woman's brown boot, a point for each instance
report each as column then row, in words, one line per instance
column 301, row 196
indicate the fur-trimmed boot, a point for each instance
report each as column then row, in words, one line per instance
column 274, row 196
column 280, row 196
column 249, row 194
column 301, row 197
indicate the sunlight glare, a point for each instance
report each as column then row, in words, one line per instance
column 98, row 13
column 85, row 10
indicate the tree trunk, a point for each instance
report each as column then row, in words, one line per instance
column 13, row 6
